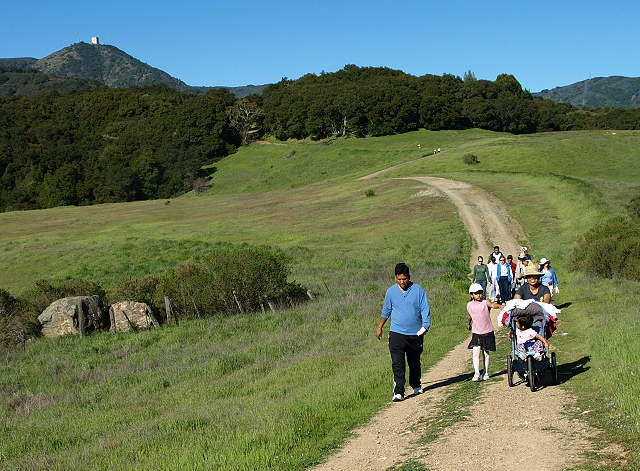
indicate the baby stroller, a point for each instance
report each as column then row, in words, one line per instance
column 532, row 369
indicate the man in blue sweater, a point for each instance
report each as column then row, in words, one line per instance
column 408, row 306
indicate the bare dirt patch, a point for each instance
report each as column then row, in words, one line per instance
column 24, row 404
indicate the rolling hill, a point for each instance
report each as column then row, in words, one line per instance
column 104, row 64
column 281, row 391
column 614, row 91
column 23, row 82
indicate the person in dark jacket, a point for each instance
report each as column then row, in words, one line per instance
column 481, row 275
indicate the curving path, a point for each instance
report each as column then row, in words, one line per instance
column 543, row 435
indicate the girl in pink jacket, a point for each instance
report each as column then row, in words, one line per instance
column 479, row 323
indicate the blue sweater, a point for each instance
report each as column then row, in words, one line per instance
column 549, row 277
column 409, row 311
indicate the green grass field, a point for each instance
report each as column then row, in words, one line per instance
column 598, row 353
column 280, row 391
column 272, row 391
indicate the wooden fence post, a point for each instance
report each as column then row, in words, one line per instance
column 237, row 301
column 112, row 320
column 81, row 318
column 273, row 309
column 152, row 318
column 171, row 317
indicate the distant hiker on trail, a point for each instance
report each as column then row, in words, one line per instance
column 502, row 279
column 479, row 323
column 495, row 255
column 520, row 268
column 512, row 287
column 525, row 252
column 481, row 275
column 491, row 266
column 408, row 306
column 533, row 289
column 549, row 278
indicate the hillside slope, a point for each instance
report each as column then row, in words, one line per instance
column 614, row 91
column 289, row 387
column 23, row 82
column 100, row 63
column 106, row 64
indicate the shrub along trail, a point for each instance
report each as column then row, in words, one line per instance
column 504, row 428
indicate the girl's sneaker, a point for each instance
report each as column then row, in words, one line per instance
column 476, row 377
column 485, row 377
column 397, row 398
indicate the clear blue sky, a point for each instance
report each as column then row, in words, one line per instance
column 544, row 43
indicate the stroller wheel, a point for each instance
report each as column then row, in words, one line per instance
column 510, row 371
column 531, row 373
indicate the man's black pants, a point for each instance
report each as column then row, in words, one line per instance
column 400, row 346
column 505, row 288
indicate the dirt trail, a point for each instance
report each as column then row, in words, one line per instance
column 498, row 434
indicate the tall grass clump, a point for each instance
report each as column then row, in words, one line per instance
column 612, row 249
column 16, row 323
column 44, row 292
column 228, row 280
column 470, row 159
column 19, row 316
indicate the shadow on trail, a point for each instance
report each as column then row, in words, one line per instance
column 564, row 305
column 446, row 382
column 566, row 371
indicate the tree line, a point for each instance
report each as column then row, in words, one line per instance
column 109, row 145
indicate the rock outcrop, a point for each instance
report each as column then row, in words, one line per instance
column 130, row 315
column 61, row 317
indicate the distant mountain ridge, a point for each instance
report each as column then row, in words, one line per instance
column 614, row 91
column 107, row 65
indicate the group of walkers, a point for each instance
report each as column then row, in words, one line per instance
column 508, row 280
column 407, row 305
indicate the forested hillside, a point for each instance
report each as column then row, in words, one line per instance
column 614, row 91
column 379, row 101
column 16, row 81
column 106, row 145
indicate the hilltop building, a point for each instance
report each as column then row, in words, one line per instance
column 95, row 40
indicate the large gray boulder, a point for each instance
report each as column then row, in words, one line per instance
column 130, row 315
column 61, row 317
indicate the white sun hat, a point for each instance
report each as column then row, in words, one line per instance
column 543, row 260
column 475, row 287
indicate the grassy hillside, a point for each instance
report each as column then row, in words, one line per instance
column 602, row 158
column 279, row 391
column 558, row 185
column 258, row 391
column 293, row 164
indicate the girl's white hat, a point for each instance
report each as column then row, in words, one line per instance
column 543, row 260
column 475, row 287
